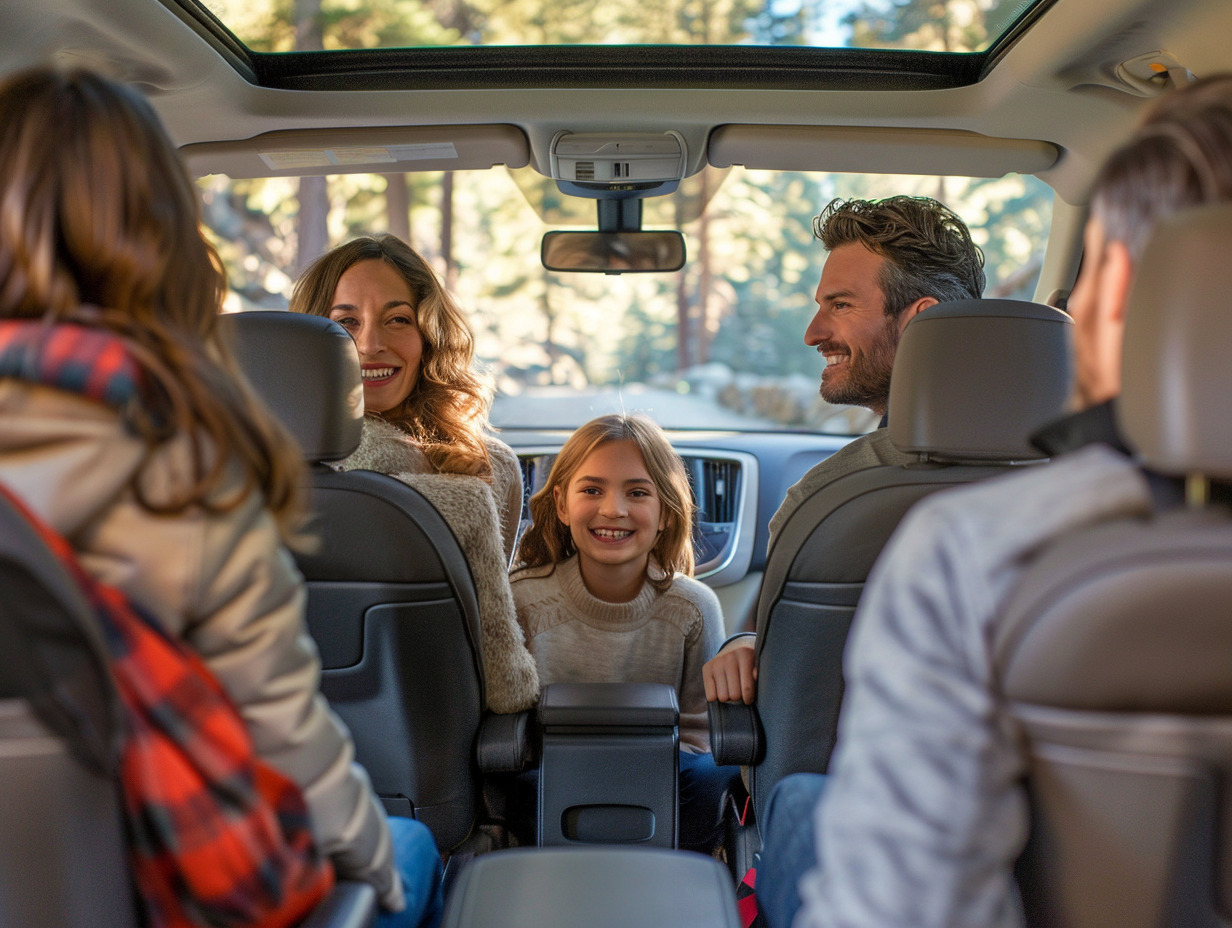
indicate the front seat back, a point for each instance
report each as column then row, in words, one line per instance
column 1114, row 650
column 972, row 380
column 391, row 599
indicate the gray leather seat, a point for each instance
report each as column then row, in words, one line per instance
column 1115, row 651
column 391, row 599
column 63, row 860
column 972, row 380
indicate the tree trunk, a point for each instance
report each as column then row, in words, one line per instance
column 398, row 206
column 312, row 222
column 549, row 337
column 451, row 273
column 706, row 306
column 684, row 334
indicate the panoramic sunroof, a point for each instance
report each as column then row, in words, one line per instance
column 924, row 25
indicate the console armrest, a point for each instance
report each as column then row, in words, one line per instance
column 568, row 887
column 736, row 735
column 609, row 704
column 506, row 743
column 350, row 905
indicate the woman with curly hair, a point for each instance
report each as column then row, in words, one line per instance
column 426, row 404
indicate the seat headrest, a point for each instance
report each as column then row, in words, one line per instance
column 306, row 368
column 974, row 378
column 1176, row 373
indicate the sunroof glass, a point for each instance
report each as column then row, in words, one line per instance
column 929, row 25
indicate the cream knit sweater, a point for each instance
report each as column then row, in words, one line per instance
column 659, row 637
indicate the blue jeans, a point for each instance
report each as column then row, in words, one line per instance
column 788, row 847
column 419, row 865
column 702, row 785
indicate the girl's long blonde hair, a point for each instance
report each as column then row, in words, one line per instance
column 100, row 225
column 446, row 411
column 549, row 541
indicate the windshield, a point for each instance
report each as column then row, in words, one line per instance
column 718, row 344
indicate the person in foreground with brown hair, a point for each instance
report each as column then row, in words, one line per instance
column 125, row 427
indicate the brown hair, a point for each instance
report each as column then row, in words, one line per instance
column 100, row 225
column 446, row 411
column 549, row 541
column 1180, row 156
column 927, row 247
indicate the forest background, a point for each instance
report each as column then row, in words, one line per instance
column 739, row 307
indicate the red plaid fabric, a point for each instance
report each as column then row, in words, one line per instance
column 90, row 362
column 217, row 838
column 746, row 901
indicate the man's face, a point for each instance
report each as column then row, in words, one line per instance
column 1097, row 306
column 852, row 331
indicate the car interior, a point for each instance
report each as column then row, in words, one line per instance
column 621, row 199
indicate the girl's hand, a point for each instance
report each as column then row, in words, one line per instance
column 731, row 675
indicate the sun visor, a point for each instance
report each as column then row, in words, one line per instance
column 384, row 150
column 864, row 150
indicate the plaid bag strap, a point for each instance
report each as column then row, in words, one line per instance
column 216, row 837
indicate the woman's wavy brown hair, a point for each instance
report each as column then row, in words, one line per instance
column 446, row 411
column 549, row 541
column 100, row 225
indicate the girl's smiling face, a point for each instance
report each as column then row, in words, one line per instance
column 614, row 515
column 374, row 303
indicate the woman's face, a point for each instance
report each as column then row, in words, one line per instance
column 375, row 305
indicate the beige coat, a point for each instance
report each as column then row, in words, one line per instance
column 222, row 583
column 386, row 449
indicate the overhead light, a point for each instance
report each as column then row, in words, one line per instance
column 615, row 165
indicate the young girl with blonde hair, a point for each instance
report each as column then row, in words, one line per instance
column 605, row 592
column 426, row 403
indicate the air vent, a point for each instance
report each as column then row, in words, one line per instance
column 584, row 170
column 717, row 490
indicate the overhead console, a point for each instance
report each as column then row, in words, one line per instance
column 617, row 171
column 617, row 165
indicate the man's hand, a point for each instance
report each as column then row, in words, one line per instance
column 731, row 675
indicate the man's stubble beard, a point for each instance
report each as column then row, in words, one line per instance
column 868, row 374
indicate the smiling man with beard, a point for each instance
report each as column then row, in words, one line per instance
column 889, row 260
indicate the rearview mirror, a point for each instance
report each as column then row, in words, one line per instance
column 613, row 252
